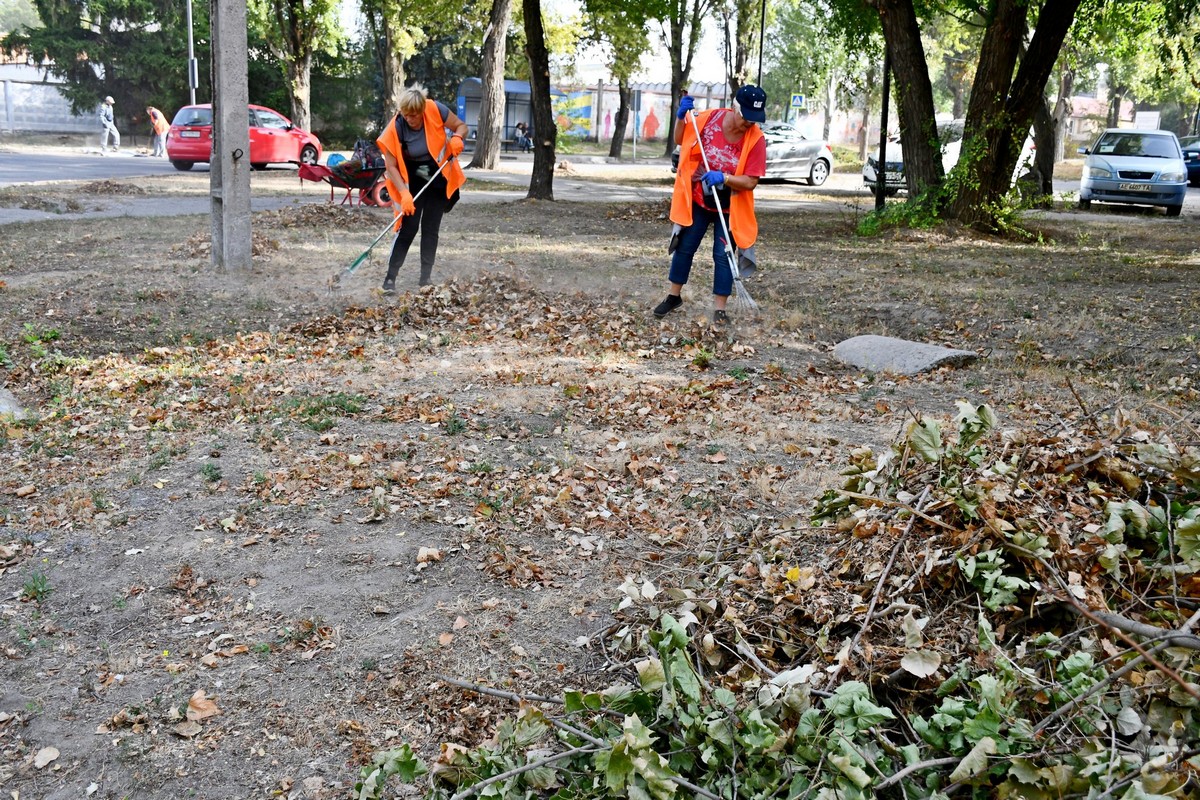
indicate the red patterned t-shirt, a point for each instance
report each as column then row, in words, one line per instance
column 723, row 156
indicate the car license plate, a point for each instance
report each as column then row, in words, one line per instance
column 189, row 134
column 1134, row 187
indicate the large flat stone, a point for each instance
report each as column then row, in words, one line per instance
column 9, row 404
column 887, row 354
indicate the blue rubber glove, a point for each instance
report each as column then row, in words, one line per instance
column 686, row 104
column 713, row 179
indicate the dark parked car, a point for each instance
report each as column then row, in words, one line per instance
column 1191, row 158
column 790, row 155
column 273, row 138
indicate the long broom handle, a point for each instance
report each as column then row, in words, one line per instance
column 391, row 226
column 729, row 251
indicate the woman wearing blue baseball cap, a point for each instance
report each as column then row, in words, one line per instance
column 737, row 158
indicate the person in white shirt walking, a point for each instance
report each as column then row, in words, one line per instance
column 109, row 127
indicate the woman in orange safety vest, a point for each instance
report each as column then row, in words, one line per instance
column 424, row 135
column 737, row 158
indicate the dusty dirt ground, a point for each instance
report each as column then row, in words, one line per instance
column 251, row 517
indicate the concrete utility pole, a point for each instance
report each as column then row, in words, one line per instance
column 193, row 73
column 229, row 176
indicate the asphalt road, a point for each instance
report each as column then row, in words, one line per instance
column 36, row 165
column 25, row 166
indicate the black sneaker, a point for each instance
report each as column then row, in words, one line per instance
column 720, row 318
column 672, row 302
column 389, row 286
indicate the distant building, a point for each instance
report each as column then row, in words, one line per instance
column 587, row 111
column 30, row 102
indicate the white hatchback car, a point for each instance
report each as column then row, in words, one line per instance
column 950, row 136
column 1139, row 167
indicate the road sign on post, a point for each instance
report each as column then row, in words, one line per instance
column 798, row 101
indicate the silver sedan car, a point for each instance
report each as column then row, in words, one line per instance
column 793, row 156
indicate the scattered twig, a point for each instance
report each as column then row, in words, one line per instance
column 1115, row 675
column 883, row 578
column 746, row 650
column 1173, row 638
column 884, row 501
column 1132, row 776
column 1082, row 405
column 1087, row 612
column 892, row 780
column 514, row 697
column 517, row 698
column 532, row 765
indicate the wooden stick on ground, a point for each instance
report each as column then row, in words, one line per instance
column 866, row 623
column 598, row 743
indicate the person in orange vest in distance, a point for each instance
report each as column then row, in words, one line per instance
column 160, row 126
column 424, row 135
column 737, row 157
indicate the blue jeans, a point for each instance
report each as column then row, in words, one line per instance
column 689, row 242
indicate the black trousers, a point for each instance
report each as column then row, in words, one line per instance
column 427, row 219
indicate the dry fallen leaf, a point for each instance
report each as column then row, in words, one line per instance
column 187, row 729
column 428, row 554
column 25, row 491
column 200, row 707
column 460, row 623
column 445, row 639
column 45, row 756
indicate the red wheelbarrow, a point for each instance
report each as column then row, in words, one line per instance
column 350, row 176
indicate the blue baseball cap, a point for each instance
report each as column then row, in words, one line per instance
column 752, row 102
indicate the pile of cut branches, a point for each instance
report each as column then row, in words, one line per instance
column 1006, row 613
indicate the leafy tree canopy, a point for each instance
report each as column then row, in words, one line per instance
column 134, row 50
column 15, row 14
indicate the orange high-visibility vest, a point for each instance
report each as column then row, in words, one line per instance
column 158, row 121
column 742, row 223
column 435, row 139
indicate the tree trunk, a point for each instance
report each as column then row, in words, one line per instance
column 958, row 103
column 392, row 71
column 1116, row 95
column 1043, row 154
column 918, row 132
column 299, row 75
column 1001, row 112
column 1062, row 112
column 488, row 134
column 864, row 131
column 387, row 60
column 621, row 120
column 541, row 181
column 830, row 99
column 684, row 17
column 745, row 51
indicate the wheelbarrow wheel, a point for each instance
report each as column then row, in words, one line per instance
column 380, row 196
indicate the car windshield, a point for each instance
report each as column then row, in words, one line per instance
column 1144, row 145
column 193, row 116
column 950, row 132
column 781, row 131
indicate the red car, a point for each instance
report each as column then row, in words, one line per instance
column 273, row 139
